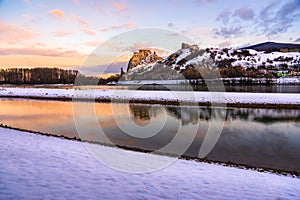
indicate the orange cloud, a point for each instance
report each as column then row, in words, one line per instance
column 13, row 34
column 88, row 31
column 79, row 20
column 57, row 13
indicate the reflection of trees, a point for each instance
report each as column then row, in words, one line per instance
column 238, row 113
column 263, row 115
column 143, row 112
column 140, row 112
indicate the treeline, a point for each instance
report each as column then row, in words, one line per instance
column 18, row 76
column 37, row 76
column 91, row 80
column 225, row 72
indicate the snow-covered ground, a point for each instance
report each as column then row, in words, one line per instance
column 254, row 59
column 40, row 167
column 258, row 58
column 181, row 96
column 288, row 80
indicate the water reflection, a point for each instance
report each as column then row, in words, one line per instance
column 257, row 137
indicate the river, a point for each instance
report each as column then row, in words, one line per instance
column 268, row 138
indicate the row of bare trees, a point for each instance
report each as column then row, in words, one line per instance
column 225, row 72
column 37, row 76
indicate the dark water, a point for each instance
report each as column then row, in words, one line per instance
column 257, row 137
column 228, row 88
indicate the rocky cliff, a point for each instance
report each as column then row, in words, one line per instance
column 143, row 56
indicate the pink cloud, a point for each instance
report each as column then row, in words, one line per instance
column 97, row 6
column 62, row 33
column 119, row 6
column 26, row 1
column 88, row 31
column 75, row 1
column 93, row 43
column 40, row 52
column 79, row 20
column 104, row 30
column 127, row 25
column 57, row 13
column 123, row 26
column 13, row 34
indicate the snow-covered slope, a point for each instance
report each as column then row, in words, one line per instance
column 40, row 167
column 258, row 58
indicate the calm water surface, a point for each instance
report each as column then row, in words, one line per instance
column 257, row 137
column 228, row 88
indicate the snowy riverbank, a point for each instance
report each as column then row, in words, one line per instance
column 229, row 98
column 35, row 166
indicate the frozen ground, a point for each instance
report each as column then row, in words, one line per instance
column 181, row 96
column 40, row 167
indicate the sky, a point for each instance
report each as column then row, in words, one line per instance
column 64, row 33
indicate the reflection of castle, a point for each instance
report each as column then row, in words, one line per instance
column 192, row 115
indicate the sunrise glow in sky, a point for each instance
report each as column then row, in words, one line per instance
column 63, row 32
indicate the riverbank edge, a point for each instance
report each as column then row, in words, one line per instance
column 161, row 102
column 293, row 174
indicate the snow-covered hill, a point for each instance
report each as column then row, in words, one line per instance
column 191, row 62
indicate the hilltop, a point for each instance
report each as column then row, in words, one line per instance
column 191, row 62
column 273, row 46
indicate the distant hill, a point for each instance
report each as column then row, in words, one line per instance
column 191, row 62
column 273, row 46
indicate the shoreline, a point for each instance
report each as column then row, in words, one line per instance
column 209, row 99
column 293, row 174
